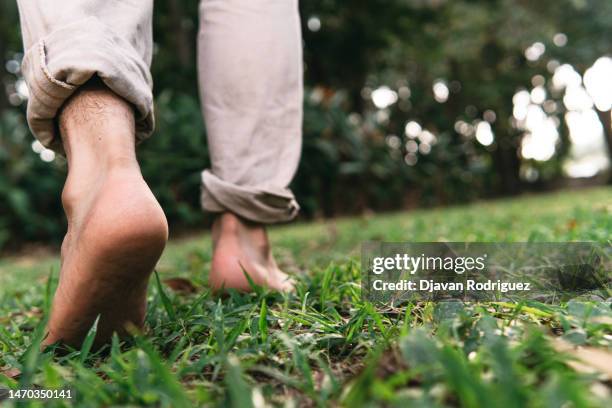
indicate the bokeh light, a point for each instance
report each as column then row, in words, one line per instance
column 598, row 83
column 440, row 91
column 383, row 97
column 484, row 133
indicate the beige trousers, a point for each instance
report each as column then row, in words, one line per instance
column 250, row 77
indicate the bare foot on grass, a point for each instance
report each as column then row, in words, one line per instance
column 116, row 229
column 241, row 246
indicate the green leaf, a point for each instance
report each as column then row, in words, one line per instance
column 263, row 322
column 239, row 393
column 89, row 340
column 164, row 298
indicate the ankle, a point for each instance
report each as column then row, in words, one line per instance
column 85, row 183
column 97, row 126
column 252, row 237
column 227, row 223
column 118, row 202
column 85, row 156
column 231, row 224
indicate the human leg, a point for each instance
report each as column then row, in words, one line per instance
column 250, row 72
column 86, row 65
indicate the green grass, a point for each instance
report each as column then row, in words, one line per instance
column 324, row 345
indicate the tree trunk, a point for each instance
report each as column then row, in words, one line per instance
column 506, row 160
column 605, row 117
column 181, row 35
column 4, row 103
column 507, row 165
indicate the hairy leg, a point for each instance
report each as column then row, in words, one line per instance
column 116, row 229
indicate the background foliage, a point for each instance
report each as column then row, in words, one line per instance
column 355, row 155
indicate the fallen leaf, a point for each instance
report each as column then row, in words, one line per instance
column 587, row 359
column 180, row 285
column 10, row 372
column 601, row 320
column 33, row 312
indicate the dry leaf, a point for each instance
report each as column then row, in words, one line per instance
column 33, row 312
column 588, row 359
column 601, row 320
column 10, row 372
column 180, row 285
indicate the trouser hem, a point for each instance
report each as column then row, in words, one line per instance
column 258, row 204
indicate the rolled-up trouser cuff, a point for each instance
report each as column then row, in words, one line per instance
column 60, row 62
column 262, row 205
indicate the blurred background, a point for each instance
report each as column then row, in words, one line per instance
column 408, row 103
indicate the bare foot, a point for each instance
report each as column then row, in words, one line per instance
column 116, row 229
column 240, row 246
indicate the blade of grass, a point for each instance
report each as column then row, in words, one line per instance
column 239, row 392
column 31, row 357
column 529, row 310
column 255, row 287
column 165, row 299
column 49, row 292
column 263, row 321
column 171, row 385
column 89, row 340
